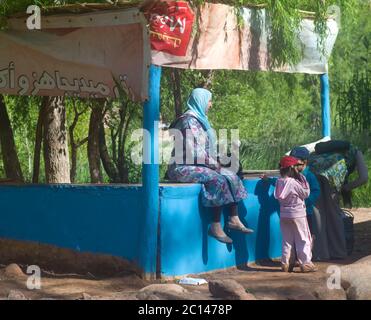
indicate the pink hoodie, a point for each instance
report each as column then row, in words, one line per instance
column 291, row 194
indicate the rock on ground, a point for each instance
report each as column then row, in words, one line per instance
column 229, row 289
column 13, row 271
column 85, row 296
column 330, row 294
column 303, row 296
column 356, row 279
column 16, row 295
column 163, row 292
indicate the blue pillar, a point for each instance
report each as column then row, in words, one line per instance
column 150, row 176
column 325, row 102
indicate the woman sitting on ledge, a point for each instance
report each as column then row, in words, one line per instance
column 199, row 141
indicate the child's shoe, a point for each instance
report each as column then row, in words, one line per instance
column 284, row 267
column 309, row 267
column 287, row 267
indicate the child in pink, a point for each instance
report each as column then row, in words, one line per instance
column 291, row 191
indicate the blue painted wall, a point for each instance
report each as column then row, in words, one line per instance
column 109, row 220
column 99, row 219
column 185, row 245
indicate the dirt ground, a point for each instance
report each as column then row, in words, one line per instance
column 264, row 280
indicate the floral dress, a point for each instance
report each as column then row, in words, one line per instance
column 217, row 189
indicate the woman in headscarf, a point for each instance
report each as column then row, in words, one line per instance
column 197, row 162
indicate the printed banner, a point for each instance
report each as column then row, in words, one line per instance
column 91, row 61
column 82, row 62
column 218, row 43
column 170, row 26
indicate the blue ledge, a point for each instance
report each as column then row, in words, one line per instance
column 108, row 219
column 186, row 247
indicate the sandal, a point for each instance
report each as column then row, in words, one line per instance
column 223, row 239
column 287, row 267
column 239, row 227
column 305, row 268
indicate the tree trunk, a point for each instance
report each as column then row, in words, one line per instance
column 73, row 163
column 75, row 145
column 38, row 141
column 108, row 164
column 93, row 143
column 74, row 149
column 122, row 163
column 57, row 163
column 123, row 172
column 12, row 166
column 208, row 79
column 175, row 78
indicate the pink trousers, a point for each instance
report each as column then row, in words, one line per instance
column 296, row 237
